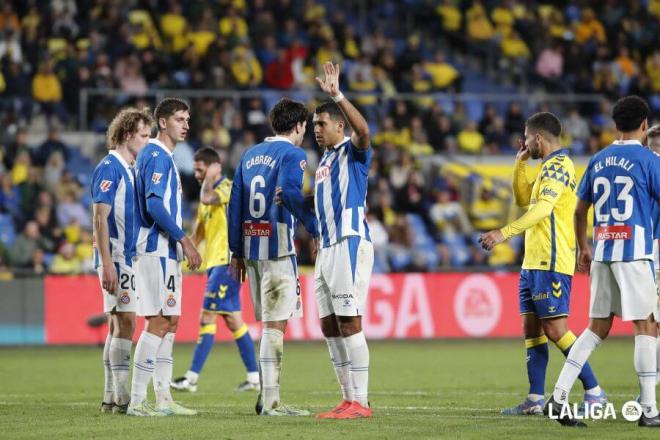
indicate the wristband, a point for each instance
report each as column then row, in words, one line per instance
column 338, row 97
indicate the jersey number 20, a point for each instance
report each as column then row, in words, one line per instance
column 624, row 196
column 257, row 203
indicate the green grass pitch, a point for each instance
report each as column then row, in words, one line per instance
column 422, row 389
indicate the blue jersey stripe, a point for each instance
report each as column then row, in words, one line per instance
column 553, row 238
column 321, row 212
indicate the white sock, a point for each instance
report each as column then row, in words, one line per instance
column 657, row 360
column 271, row 350
column 580, row 352
column 108, row 387
column 191, row 376
column 342, row 363
column 252, row 376
column 645, row 365
column 358, row 353
column 595, row 391
column 535, row 397
column 120, row 361
column 163, row 371
column 144, row 363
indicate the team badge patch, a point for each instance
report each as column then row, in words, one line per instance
column 171, row 302
column 124, row 298
column 303, row 164
column 105, row 185
column 155, row 177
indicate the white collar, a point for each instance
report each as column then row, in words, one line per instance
column 155, row 141
column 627, row 142
column 343, row 141
column 278, row 139
column 120, row 158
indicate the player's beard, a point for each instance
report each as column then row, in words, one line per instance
column 535, row 151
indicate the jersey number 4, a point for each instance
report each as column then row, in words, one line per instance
column 257, row 203
column 623, row 195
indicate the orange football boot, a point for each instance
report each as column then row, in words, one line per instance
column 343, row 406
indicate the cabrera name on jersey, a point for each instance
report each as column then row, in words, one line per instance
column 258, row 228
column 623, row 184
column 157, row 175
column 113, row 184
column 341, row 192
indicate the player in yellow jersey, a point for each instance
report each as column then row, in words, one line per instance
column 222, row 290
column 547, row 270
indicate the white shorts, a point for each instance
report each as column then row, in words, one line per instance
column 124, row 299
column 158, row 281
column 341, row 277
column 626, row 289
column 275, row 288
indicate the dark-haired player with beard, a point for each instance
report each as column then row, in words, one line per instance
column 549, row 264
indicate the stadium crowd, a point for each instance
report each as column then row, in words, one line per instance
column 422, row 217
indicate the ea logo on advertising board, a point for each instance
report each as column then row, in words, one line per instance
column 631, row 411
column 477, row 305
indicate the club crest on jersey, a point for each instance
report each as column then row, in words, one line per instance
column 105, row 185
column 171, row 301
column 124, row 298
column 303, row 164
column 322, row 173
column 155, row 177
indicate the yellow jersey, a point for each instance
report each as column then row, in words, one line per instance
column 213, row 218
column 550, row 243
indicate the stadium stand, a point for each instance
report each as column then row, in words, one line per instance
column 446, row 85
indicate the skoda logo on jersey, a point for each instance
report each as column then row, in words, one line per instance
column 124, row 298
column 155, row 177
column 171, row 302
column 105, row 185
column 322, row 173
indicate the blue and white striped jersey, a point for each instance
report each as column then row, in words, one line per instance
column 157, row 175
column 113, row 184
column 623, row 183
column 258, row 228
column 341, row 192
column 656, row 236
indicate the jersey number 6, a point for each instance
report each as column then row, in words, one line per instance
column 257, row 203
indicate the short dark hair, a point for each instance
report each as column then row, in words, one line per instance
column 286, row 114
column 332, row 109
column 168, row 106
column 629, row 112
column 545, row 122
column 207, row 155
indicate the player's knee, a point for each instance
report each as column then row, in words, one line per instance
column 233, row 322
column 349, row 328
column 208, row 317
column 329, row 327
column 126, row 325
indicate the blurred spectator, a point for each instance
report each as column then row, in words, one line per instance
column 26, row 243
column 65, row 261
column 52, row 144
column 70, row 210
column 469, row 139
column 47, row 92
column 487, row 211
column 279, row 72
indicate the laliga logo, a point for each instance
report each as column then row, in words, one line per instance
column 631, row 411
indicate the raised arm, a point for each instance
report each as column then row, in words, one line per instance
column 330, row 85
column 522, row 187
